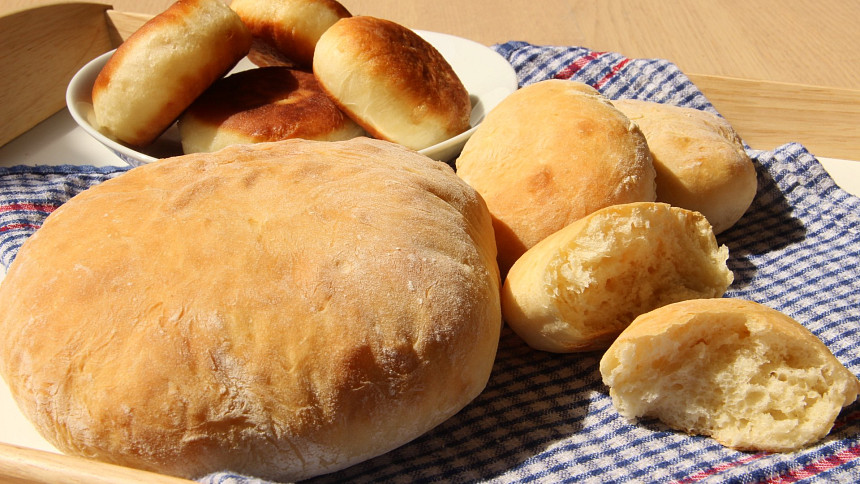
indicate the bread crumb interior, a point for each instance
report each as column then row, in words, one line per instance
column 624, row 267
column 738, row 384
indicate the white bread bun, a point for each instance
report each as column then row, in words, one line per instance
column 700, row 161
column 392, row 82
column 163, row 66
column 293, row 27
column 579, row 288
column 260, row 105
column 550, row 154
column 280, row 309
column 745, row 374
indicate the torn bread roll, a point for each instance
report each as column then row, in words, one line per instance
column 392, row 82
column 293, row 27
column 579, row 288
column 260, row 105
column 700, row 161
column 280, row 310
column 550, row 154
column 163, row 66
column 745, row 374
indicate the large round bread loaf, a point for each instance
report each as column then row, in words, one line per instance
column 280, row 309
column 745, row 374
column 162, row 68
column 549, row 154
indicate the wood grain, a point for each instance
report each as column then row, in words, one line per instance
column 793, row 41
column 27, row 466
column 768, row 114
column 40, row 51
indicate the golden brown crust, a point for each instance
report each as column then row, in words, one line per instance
column 281, row 309
column 264, row 104
column 293, row 27
column 549, row 154
column 700, row 161
column 392, row 82
column 161, row 68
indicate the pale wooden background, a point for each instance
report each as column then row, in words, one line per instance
column 796, row 41
column 779, row 70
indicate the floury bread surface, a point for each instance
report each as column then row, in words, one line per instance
column 281, row 310
column 700, row 161
column 550, row 154
column 579, row 288
column 161, row 68
column 745, row 374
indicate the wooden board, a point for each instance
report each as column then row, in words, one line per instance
column 27, row 466
column 40, row 50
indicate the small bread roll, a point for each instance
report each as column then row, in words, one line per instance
column 745, row 374
column 395, row 84
column 550, row 154
column 293, row 27
column 280, row 310
column 700, row 161
column 161, row 68
column 579, row 288
column 259, row 105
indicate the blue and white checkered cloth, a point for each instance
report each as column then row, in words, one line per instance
column 547, row 417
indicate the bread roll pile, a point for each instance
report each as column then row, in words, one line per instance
column 261, row 310
column 570, row 179
column 382, row 78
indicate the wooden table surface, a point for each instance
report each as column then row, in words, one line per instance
column 778, row 70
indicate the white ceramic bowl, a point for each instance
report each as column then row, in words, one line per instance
column 488, row 77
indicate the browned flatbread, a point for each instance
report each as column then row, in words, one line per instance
column 264, row 104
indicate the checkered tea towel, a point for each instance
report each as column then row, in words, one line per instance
column 547, row 417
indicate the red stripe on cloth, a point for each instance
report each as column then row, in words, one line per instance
column 827, row 462
column 578, row 64
column 35, row 207
column 611, row 74
column 6, row 228
column 817, row 467
column 720, row 468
